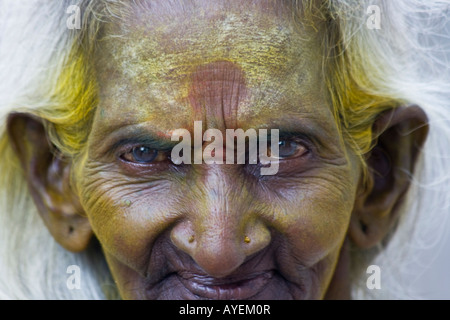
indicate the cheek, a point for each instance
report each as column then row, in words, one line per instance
column 315, row 217
column 127, row 217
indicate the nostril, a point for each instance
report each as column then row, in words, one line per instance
column 218, row 256
column 220, row 246
column 183, row 236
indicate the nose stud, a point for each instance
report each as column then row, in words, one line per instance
column 247, row 239
column 191, row 239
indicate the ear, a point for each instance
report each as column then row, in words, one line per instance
column 399, row 134
column 48, row 177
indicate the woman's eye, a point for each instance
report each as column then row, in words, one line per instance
column 143, row 154
column 290, row 149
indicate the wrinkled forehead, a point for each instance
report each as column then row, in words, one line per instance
column 169, row 44
column 168, row 40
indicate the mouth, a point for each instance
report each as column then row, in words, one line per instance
column 176, row 276
column 239, row 287
column 188, row 285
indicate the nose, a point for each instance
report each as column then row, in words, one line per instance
column 222, row 227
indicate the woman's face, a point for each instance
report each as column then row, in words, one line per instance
column 215, row 231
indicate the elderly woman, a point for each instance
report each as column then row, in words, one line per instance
column 89, row 182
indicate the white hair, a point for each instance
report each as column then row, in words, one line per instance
column 405, row 59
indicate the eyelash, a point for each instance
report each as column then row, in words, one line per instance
column 164, row 155
column 159, row 154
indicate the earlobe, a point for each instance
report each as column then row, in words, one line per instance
column 399, row 135
column 48, row 178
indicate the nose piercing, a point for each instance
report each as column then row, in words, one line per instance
column 247, row 239
column 191, row 239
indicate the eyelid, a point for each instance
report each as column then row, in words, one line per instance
column 133, row 146
column 300, row 139
column 126, row 145
column 120, row 149
column 158, row 157
column 129, row 149
column 161, row 160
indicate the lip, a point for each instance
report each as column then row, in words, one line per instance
column 237, row 287
column 266, row 275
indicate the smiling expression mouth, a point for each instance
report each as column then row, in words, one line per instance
column 179, row 277
column 229, row 288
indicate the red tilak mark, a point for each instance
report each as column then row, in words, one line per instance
column 164, row 135
column 215, row 92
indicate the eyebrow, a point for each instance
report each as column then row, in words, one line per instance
column 309, row 128
column 147, row 140
column 137, row 135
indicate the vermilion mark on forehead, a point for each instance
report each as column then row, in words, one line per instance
column 215, row 92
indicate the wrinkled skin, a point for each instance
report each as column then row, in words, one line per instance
column 218, row 231
column 296, row 221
